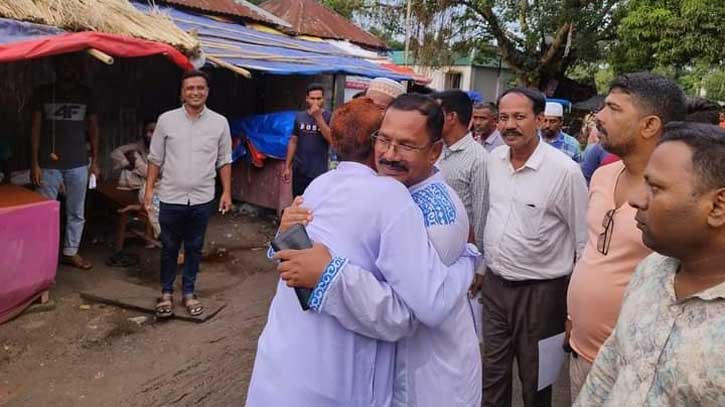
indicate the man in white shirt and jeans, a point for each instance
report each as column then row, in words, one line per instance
column 535, row 231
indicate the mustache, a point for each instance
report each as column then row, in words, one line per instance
column 511, row 133
column 393, row 164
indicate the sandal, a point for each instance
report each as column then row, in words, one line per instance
column 77, row 262
column 165, row 306
column 193, row 306
column 121, row 259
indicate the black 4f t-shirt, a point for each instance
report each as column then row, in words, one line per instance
column 311, row 155
column 64, row 113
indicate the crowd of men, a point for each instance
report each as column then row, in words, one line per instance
column 628, row 266
column 436, row 200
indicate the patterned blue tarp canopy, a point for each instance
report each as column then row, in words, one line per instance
column 272, row 53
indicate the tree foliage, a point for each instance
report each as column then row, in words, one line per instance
column 544, row 41
column 679, row 33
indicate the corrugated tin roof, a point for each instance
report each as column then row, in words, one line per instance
column 236, row 8
column 312, row 18
column 276, row 54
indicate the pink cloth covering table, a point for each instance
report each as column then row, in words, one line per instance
column 29, row 233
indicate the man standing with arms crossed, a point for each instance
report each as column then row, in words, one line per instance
column 535, row 231
column 630, row 125
column 310, row 142
column 190, row 143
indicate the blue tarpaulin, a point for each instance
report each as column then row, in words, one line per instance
column 271, row 53
column 14, row 31
column 269, row 133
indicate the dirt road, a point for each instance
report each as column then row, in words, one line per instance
column 87, row 354
column 72, row 356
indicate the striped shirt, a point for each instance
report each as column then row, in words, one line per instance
column 567, row 145
column 463, row 165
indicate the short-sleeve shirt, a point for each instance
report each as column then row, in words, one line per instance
column 64, row 113
column 311, row 156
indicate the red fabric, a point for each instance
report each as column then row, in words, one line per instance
column 256, row 156
column 609, row 158
column 111, row 44
column 29, row 253
column 420, row 79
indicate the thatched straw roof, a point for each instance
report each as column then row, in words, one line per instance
column 109, row 16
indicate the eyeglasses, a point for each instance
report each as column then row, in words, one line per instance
column 605, row 238
column 385, row 144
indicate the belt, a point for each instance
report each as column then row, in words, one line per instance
column 519, row 283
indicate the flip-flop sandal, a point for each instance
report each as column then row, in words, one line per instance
column 165, row 306
column 193, row 306
column 121, row 259
column 77, row 262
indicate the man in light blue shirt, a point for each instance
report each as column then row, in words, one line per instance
column 484, row 126
column 551, row 132
column 310, row 358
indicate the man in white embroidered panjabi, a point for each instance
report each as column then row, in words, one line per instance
column 309, row 358
column 435, row 365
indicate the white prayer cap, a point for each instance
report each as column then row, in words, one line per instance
column 554, row 109
column 387, row 87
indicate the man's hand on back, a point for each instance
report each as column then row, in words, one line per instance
column 303, row 268
column 295, row 214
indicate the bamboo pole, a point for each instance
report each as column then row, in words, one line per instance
column 238, row 70
column 100, row 55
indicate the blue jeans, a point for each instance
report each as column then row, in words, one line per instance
column 75, row 181
column 187, row 224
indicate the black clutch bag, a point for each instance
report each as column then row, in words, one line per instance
column 295, row 238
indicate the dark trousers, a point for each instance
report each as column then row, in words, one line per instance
column 516, row 315
column 187, row 224
column 299, row 183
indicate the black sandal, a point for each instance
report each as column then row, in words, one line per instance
column 121, row 259
column 165, row 306
column 193, row 306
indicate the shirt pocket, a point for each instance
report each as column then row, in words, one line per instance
column 530, row 218
column 206, row 147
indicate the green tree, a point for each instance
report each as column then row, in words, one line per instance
column 538, row 39
column 674, row 33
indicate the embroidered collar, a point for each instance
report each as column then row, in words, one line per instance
column 436, row 176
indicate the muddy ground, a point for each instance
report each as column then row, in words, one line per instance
column 82, row 353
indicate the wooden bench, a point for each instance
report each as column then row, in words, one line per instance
column 122, row 199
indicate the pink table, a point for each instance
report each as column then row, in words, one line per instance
column 29, row 233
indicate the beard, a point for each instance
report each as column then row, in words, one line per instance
column 620, row 148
